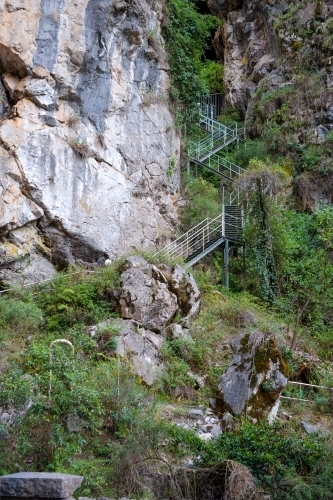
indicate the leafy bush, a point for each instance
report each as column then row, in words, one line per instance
column 202, row 200
column 69, row 300
column 15, row 388
column 279, row 460
column 187, row 34
column 213, row 75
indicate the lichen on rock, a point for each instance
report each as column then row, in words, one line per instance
column 254, row 379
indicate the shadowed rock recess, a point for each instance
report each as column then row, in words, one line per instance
column 86, row 134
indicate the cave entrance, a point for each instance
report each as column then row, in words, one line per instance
column 203, row 9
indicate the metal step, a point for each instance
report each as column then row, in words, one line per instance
column 233, row 220
column 218, row 148
column 209, row 234
column 199, row 254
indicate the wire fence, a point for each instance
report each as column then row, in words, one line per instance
column 48, row 280
column 300, row 384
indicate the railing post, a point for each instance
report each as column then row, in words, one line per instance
column 223, row 220
column 225, row 278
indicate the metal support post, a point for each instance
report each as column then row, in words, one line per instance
column 225, row 277
column 244, row 268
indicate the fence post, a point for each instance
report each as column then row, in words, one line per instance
column 225, row 278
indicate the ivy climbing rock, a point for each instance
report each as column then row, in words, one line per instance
column 254, row 379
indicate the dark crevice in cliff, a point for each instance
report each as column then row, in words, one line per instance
column 11, row 62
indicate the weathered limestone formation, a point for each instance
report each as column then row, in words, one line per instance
column 153, row 295
column 247, row 46
column 39, row 485
column 254, row 379
column 253, row 47
column 86, row 136
column 155, row 303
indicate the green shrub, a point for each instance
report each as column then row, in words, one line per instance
column 229, row 116
column 15, row 388
column 212, row 73
column 278, row 459
column 202, row 200
column 187, row 34
column 19, row 317
column 78, row 299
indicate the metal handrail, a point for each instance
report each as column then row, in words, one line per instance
column 208, row 233
column 220, row 136
column 201, row 236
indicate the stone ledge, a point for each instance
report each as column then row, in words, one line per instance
column 38, row 485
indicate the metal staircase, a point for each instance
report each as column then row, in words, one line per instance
column 218, row 137
column 226, row 228
column 206, row 236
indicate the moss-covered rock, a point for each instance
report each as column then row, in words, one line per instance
column 255, row 377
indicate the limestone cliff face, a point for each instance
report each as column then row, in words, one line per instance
column 247, row 45
column 278, row 59
column 88, row 148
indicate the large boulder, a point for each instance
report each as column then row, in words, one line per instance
column 254, row 379
column 153, row 296
column 155, row 303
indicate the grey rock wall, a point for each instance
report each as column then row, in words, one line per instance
column 86, row 135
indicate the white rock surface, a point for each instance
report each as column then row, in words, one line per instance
column 86, row 148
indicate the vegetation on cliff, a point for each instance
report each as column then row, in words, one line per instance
column 74, row 407
column 80, row 411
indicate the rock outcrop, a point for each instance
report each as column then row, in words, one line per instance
column 247, row 45
column 263, row 45
column 86, row 135
column 278, row 70
column 154, row 302
column 254, row 379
